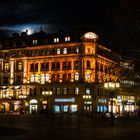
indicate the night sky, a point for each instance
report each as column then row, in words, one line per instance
column 117, row 22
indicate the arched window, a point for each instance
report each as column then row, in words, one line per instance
column 65, row 51
column 58, row 51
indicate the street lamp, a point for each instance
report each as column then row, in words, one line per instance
column 112, row 86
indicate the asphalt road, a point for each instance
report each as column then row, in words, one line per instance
column 69, row 127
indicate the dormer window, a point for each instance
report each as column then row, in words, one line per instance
column 56, row 39
column 34, row 42
column 67, row 38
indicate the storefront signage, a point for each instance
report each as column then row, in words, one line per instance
column 102, row 100
column 65, row 100
column 88, row 102
column 130, row 102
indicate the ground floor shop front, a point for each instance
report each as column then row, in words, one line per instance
column 68, row 105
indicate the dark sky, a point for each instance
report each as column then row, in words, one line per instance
column 51, row 12
column 116, row 21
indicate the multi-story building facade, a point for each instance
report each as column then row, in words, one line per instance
column 56, row 73
column 128, row 97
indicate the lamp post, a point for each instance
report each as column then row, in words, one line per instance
column 111, row 87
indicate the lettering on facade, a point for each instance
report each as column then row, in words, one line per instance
column 65, row 100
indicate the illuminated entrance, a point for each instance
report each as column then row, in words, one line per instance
column 65, row 105
column 33, row 107
column 65, row 108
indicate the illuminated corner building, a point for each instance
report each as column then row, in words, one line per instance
column 58, row 73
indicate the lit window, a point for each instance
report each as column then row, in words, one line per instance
column 47, row 77
column 42, row 79
column 77, row 49
column 87, row 90
column 34, row 42
column 65, row 51
column 36, row 77
column 73, row 108
column 87, row 77
column 76, row 76
column 56, row 39
column 58, row 91
column 76, row 90
column 58, row 51
column 67, row 38
column 64, row 91
column 6, row 66
column 32, row 78
column 56, row 109
column 19, row 65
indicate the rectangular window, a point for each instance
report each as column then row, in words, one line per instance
column 77, row 49
column 19, row 66
column 6, row 66
column 47, row 77
column 67, row 38
column 64, row 91
column 32, row 78
column 42, row 78
column 56, row 39
column 36, row 77
column 65, row 51
column 87, row 90
column 76, row 90
column 34, row 42
column 58, row 91
column 76, row 76
column 76, row 64
column 87, row 77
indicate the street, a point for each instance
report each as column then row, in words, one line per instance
column 29, row 127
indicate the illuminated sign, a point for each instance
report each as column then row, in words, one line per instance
column 102, row 100
column 65, row 100
column 88, row 102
